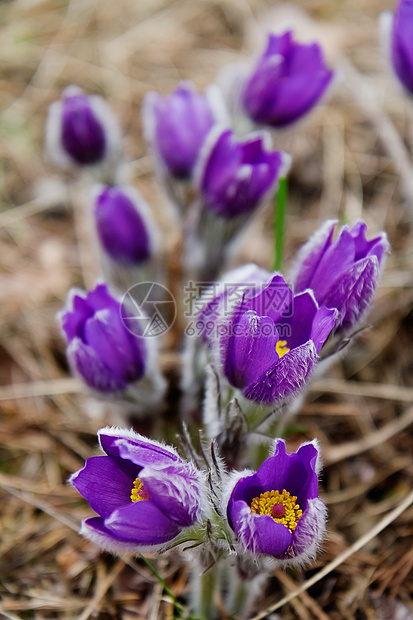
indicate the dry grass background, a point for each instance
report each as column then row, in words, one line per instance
column 347, row 162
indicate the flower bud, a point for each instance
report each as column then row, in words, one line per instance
column 287, row 82
column 125, row 225
column 101, row 351
column 81, row 130
column 176, row 127
column 276, row 511
column 143, row 492
column 398, row 35
column 344, row 273
column 235, row 176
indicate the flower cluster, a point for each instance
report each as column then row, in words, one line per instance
column 146, row 496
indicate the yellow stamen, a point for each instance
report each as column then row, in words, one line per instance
column 271, row 503
column 281, row 348
column 138, row 493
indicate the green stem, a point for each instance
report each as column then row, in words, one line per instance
column 206, row 598
column 177, row 607
column 280, row 209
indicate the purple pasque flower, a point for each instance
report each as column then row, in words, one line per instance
column 344, row 273
column 234, row 176
column 81, row 130
column 287, row 82
column 143, row 492
column 276, row 511
column 101, row 351
column 125, row 225
column 401, row 43
column 176, row 127
column 265, row 339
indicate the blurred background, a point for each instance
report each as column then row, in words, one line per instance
column 348, row 162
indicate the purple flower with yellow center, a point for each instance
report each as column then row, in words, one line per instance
column 401, row 43
column 143, row 492
column 176, row 127
column 81, row 130
column 234, row 176
column 101, row 351
column 124, row 224
column 276, row 511
column 287, row 82
column 344, row 273
column 265, row 339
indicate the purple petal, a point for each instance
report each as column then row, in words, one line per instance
column 86, row 364
column 175, row 490
column 235, row 176
column 310, row 255
column 401, row 43
column 335, row 261
column 100, row 299
column 143, row 523
column 73, row 321
column 259, row 533
column 181, row 124
column 285, row 378
column 275, row 299
column 250, row 350
column 134, row 447
column 354, row 291
column 106, row 483
column 300, row 323
column 323, row 324
column 114, row 346
column 309, row 533
column 121, row 227
column 83, row 136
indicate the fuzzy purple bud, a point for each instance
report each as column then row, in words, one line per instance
column 176, row 127
column 81, row 130
column 143, row 492
column 124, row 224
column 287, row 81
column 276, row 511
column 235, row 175
column 401, row 44
column 344, row 273
column 264, row 339
column 101, row 351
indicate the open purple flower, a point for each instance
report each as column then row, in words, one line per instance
column 276, row 511
column 266, row 340
column 176, row 127
column 236, row 175
column 124, row 224
column 101, row 351
column 81, row 130
column 344, row 273
column 401, row 46
column 287, row 81
column 143, row 492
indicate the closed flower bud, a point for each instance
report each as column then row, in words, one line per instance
column 344, row 273
column 236, row 175
column 125, row 225
column 264, row 339
column 101, row 351
column 398, row 37
column 81, row 130
column 143, row 492
column 276, row 511
column 287, row 82
column 176, row 127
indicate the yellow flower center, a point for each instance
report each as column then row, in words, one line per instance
column 281, row 347
column 138, row 493
column 281, row 507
